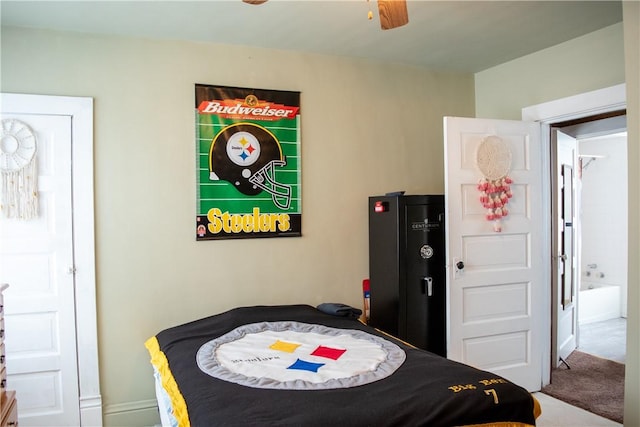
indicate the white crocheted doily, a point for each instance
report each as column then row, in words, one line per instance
column 18, row 170
column 493, row 157
column 17, row 145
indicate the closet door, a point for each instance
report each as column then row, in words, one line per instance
column 37, row 260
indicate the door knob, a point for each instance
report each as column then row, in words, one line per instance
column 460, row 265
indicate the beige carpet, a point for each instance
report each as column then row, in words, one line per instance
column 592, row 383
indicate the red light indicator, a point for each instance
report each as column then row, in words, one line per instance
column 381, row 207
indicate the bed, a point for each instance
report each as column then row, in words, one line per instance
column 294, row 365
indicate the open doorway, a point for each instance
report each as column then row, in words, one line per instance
column 561, row 111
column 589, row 223
column 599, row 103
column 601, row 276
column 589, row 269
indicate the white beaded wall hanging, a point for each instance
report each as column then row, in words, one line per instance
column 18, row 171
column 493, row 159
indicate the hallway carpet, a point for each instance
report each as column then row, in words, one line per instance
column 592, row 383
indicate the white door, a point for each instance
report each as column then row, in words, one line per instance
column 36, row 259
column 565, row 253
column 496, row 279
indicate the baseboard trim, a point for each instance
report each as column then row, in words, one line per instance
column 140, row 405
column 91, row 411
column 141, row 412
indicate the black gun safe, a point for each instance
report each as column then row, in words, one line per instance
column 407, row 268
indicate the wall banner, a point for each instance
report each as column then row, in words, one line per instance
column 247, row 163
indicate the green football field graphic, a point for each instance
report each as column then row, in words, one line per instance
column 222, row 194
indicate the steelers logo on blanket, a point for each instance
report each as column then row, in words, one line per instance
column 294, row 355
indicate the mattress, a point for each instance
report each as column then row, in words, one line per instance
column 295, row 365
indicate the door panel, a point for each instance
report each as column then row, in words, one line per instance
column 36, row 259
column 496, row 293
column 564, row 275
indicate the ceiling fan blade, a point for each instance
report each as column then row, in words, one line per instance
column 254, row 1
column 393, row 13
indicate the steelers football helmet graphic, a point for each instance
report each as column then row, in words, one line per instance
column 246, row 155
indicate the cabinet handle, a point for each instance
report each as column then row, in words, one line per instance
column 427, row 286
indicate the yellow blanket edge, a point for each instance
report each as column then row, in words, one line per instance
column 160, row 362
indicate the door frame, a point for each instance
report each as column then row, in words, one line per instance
column 80, row 109
column 573, row 107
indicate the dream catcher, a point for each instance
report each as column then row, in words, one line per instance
column 18, row 163
column 493, row 159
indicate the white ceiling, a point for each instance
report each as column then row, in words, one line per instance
column 464, row 36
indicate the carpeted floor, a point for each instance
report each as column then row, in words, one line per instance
column 592, row 383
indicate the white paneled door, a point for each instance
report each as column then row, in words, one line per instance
column 565, row 247
column 48, row 260
column 37, row 260
column 496, row 271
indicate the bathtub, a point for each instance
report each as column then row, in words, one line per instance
column 597, row 302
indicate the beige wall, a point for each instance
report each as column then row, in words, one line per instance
column 367, row 128
column 591, row 62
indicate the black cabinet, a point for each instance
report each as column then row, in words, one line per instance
column 407, row 268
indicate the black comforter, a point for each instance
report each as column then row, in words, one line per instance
column 426, row 390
